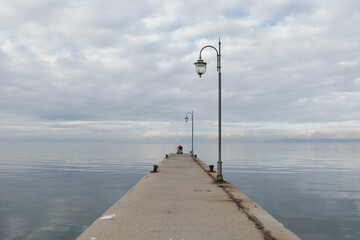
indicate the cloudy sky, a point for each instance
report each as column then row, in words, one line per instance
column 124, row 70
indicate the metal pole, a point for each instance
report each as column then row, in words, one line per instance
column 192, row 133
column 219, row 174
column 192, row 130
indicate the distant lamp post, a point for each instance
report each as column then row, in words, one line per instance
column 200, row 67
column 192, row 130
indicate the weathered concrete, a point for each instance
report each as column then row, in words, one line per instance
column 182, row 201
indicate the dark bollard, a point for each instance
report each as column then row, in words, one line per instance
column 211, row 168
column 155, row 168
column 195, row 156
column 166, row 156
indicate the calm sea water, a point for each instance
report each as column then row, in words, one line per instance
column 55, row 190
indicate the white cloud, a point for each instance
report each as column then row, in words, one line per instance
column 283, row 62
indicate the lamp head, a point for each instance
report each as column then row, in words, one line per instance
column 200, row 67
column 186, row 119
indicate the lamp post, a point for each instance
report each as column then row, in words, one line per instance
column 200, row 67
column 192, row 130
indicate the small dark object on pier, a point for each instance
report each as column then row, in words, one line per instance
column 155, row 169
column 211, row 168
column 166, row 155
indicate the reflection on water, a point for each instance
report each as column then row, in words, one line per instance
column 54, row 191
column 313, row 189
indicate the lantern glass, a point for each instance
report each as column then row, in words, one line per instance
column 200, row 67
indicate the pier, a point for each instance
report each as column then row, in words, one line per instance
column 181, row 200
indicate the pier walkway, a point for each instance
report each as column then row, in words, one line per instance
column 181, row 201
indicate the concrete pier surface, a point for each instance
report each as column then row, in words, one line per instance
column 182, row 201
